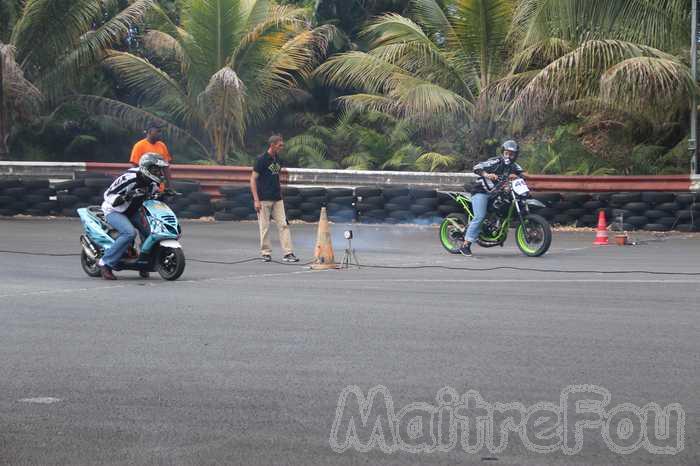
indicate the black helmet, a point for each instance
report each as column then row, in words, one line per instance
column 511, row 146
column 152, row 166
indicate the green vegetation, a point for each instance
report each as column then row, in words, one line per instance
column 589, row 86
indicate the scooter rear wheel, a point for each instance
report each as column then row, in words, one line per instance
column 89, row 265
column 170, row 263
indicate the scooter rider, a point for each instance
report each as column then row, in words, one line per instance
column 489, row 172
column 121, row 205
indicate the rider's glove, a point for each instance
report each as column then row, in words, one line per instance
column 119, row 200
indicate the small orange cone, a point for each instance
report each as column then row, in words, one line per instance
column 324, row 257
column 601, row 234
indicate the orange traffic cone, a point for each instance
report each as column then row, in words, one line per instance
column 601, row 234
column 324, row 257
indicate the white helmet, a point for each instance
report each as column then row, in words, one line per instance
column 152, row 166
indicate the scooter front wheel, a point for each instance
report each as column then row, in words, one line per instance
column 89, row 265
column 170, row 263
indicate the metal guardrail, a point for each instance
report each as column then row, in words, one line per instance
column 212, row 177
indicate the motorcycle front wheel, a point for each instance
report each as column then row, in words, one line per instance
column 170, row 263
column 534, row 236
column 89, row 265
column 452, row 230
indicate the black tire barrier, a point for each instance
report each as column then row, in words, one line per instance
column 423, row 193
column 294, row 214
column 563, row 220
column 637, row 220
column 224, row 217
column 310, row 206
column 319, row 200
column 396, row 191
column 652, row 197
column 16, row 192
column 685, row 215
column 313, row 192
column 656, row 227
column 199, row 196
column 655, row 214
column 547, row 198
column 185, row 186
column 341, row 200
column 232, row 190
column 6, row 200
column 625, row 198
column 431, row 202
column 9, row 182
column 593, row 205
column 686, row 199
column 576, row 198
column 637, row 206
column 363, row 192
column 669, row 206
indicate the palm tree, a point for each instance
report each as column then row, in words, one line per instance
column 232, row 64
column 51, row 48
column 429, row 66
column 627, row 57
column 19, row 98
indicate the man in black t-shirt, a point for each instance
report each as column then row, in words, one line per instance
column 267, row 194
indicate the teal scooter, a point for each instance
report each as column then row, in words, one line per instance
column 160, row 249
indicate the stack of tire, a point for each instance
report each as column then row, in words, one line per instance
column 397, row 203
column 292, row 202
column 235, row 204
column 86, row 190
column 369, row 205
column 424, row 206
column 193, row 202
column 340, row 203
column 688, row 213
column 446, row 205
column 310, row 202
column 28, row 197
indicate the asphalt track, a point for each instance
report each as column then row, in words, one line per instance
column 245, row 364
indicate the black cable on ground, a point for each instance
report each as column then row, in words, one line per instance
column 412, row 267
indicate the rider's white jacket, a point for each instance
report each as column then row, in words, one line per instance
column 123, row 186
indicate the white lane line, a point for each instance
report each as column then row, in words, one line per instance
column 60, row 291
column 44, row 400
column 515, row 280
column 134, row 283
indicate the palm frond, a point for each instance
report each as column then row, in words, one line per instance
column 434, row 161
column 134, row 117
column 577, row 74
column 46, row 18
column 223, row 103
column 151, row 83
column 21, row 98
column 648, row 83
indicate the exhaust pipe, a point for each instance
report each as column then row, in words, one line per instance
column 89, row 249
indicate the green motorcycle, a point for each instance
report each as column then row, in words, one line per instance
column 509, row 201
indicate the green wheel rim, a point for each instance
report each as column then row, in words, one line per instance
column 445, row 235
column 522, row 241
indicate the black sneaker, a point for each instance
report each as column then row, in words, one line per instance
column 266, row 258
column 144, row 274
column 466, row 250
column 290, row 258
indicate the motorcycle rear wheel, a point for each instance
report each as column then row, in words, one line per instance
column 534, row 236
column 452, row 238
column 170, row 263
column 89, row 265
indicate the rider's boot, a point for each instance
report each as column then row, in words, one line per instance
column 466, row 249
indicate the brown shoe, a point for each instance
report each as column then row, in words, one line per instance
column 107, row 273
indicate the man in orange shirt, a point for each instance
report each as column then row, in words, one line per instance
column 151, row 144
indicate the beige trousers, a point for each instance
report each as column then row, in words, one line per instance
column 273, row 210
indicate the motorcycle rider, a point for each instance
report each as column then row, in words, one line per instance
column 489, row 172
column 121, row 205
